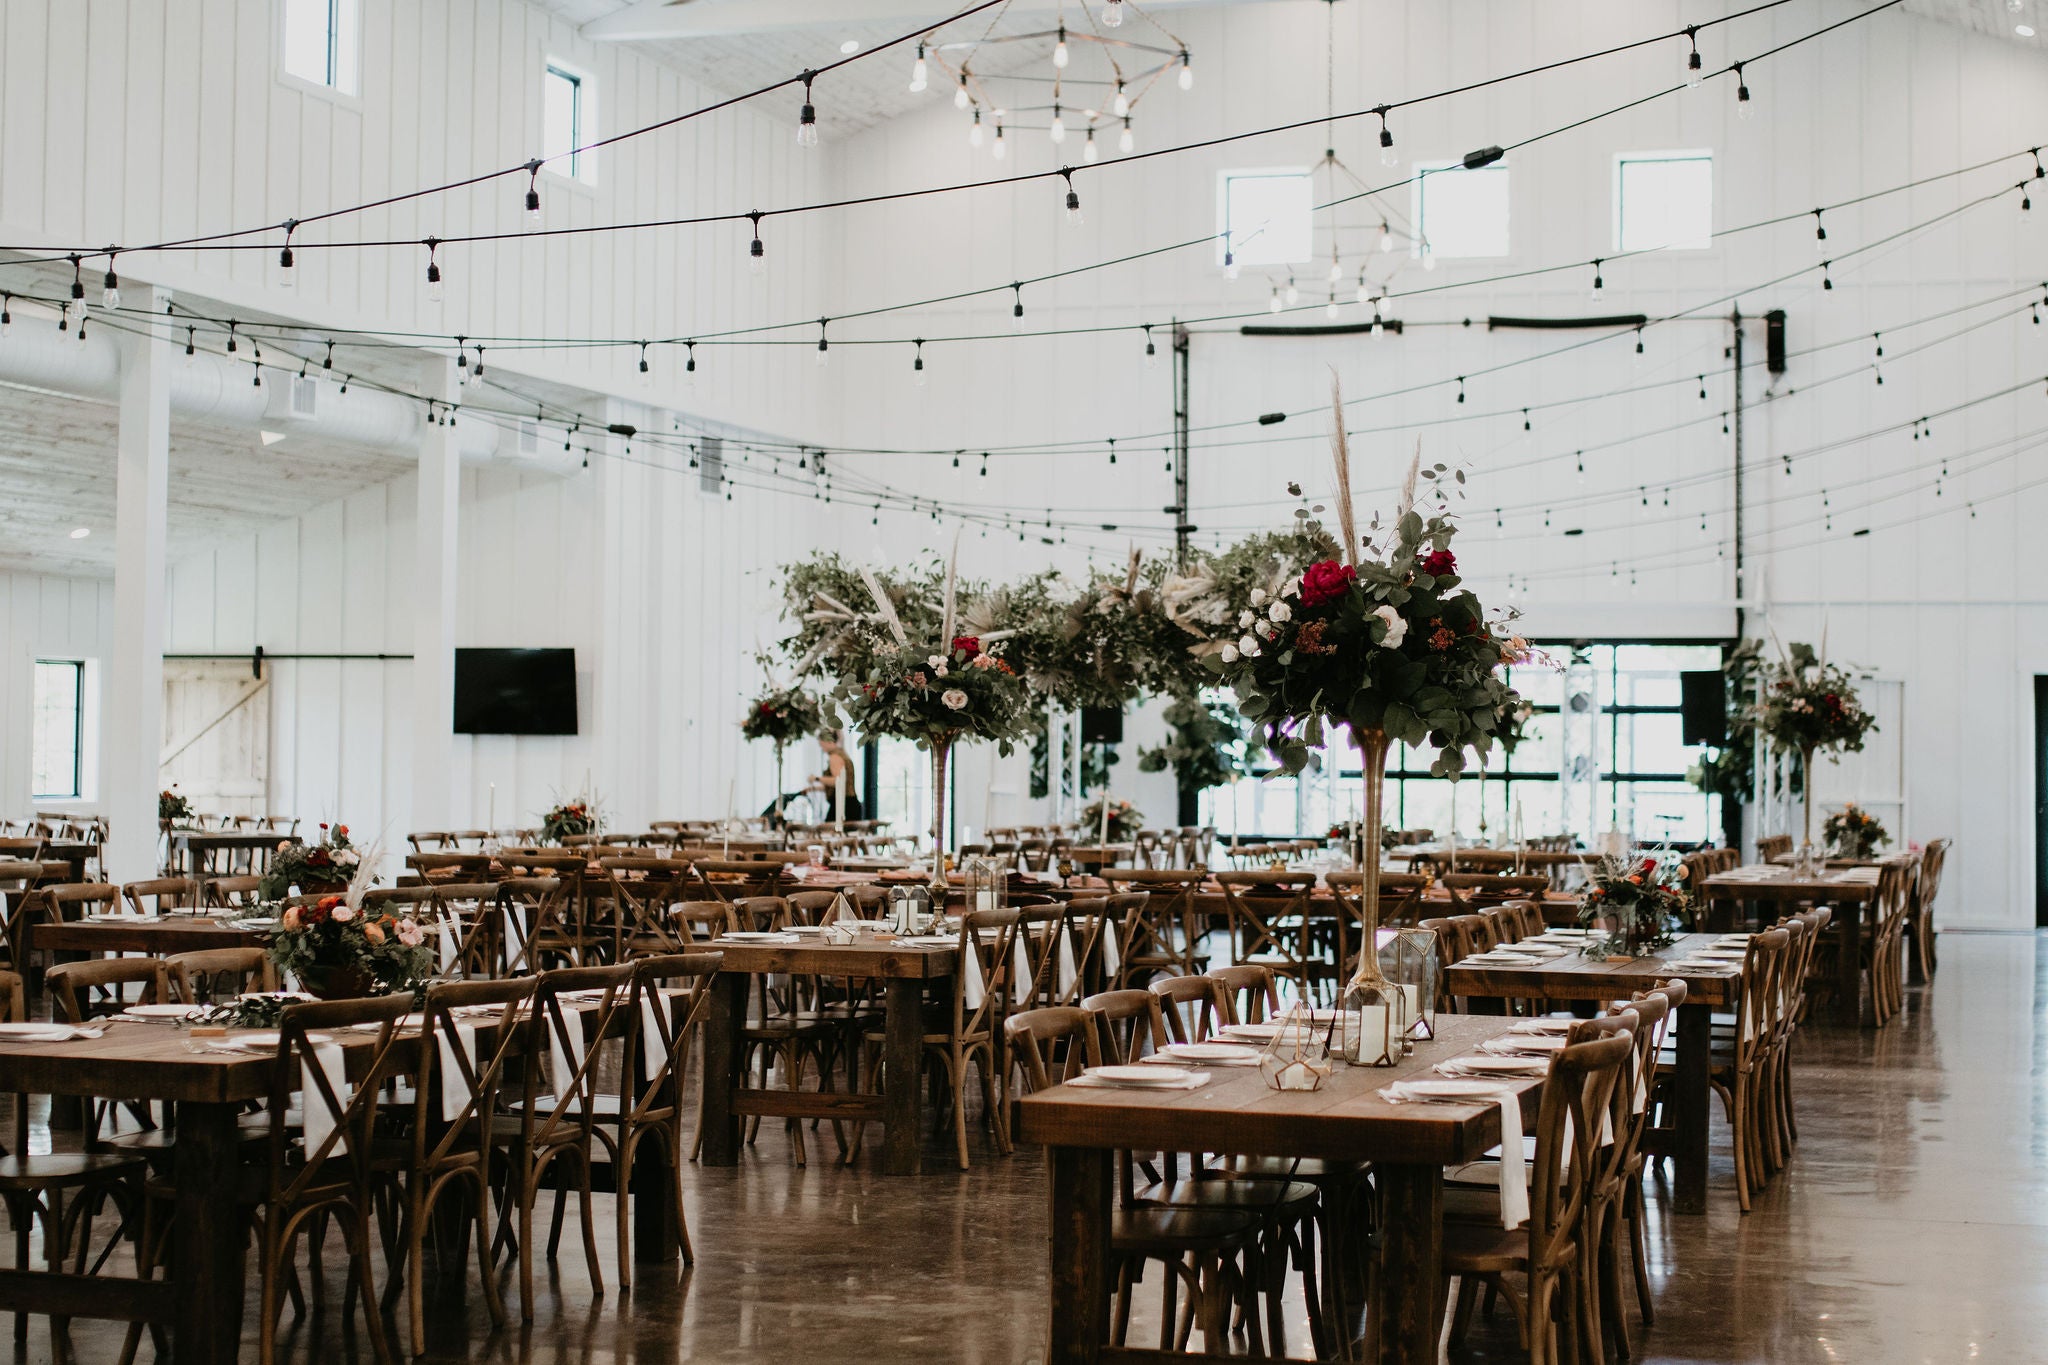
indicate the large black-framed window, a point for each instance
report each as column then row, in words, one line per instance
column 57, row 754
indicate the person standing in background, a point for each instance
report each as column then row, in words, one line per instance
column 838, row 777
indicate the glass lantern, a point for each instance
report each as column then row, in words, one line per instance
column 1410, row 962
column 1298, row 1058
column 910, row 909
column 986, row 883
column 1373, row 1013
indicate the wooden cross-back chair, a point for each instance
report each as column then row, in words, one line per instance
column 1400, row 899
column 1160, row 934
column 1932, row 859
column 1272, row 924
column 158, row 894
column 1482, row 889
column 217, row 975
column 453, row 866
column 533, row 915
column 1091, row 925
column 640, row 892
column 231, row 893
column 730, row 880
column 18, row 879
column 1193, row 1005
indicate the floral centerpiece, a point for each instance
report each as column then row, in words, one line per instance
column 339, row 949
column 782, row 714
column 570, row 818
column 1853, row 832
column 1107, row 643
column 1373, row 633
column 172, row 805
column 1120, row 824
column 1639, row 901
column 1806, row 704
column 328, row 865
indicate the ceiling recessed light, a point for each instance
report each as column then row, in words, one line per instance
column 850, row 46
column 2024, row 30
column 81, row 533
column 271, row 438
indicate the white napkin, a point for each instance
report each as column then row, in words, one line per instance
column 1020, row 971
column 1063, row 972
column 455, row 1091
column 1112, row 962
column 319, row 1120
column 563, row 1060
column 447, row 936
column 972, row 988
column 653, row 1047
column 1528, row 1066
column 1514, row 1167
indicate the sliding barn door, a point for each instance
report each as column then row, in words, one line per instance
column 217, row 736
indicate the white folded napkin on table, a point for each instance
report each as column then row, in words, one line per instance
column 1514, row 1166
column 653, row 1047
column 564, row 1061
column 319, row 1119
column 1112, row 961
column 1194, row 1082
column 1063, row 973
column 455, row 1091
column 446, row 932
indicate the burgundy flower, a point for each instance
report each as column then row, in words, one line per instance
column 1325, row 582
column 1437, row 563
column 1443, row 639
column 967, row 644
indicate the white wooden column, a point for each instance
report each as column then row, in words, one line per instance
column 135, row 669
column 433, row 611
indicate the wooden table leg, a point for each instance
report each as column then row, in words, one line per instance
column 1849, row 969
column 1695, row 1096
column 1408, row 1303
column 722, row 1072
column 208, row 1233
column 902, row 1074
column 656, row 1238
column 1080, row 1255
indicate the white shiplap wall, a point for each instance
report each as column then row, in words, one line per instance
column 1947, row 602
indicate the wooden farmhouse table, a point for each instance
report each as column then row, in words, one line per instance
column 1590, row 980
column 1849, row 893
column 903, row 969
column 1237, row 1115
column 201, row 1300
column 198, row 848
column 159, row 936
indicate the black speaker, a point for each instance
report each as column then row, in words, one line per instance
column 1774, row 341
column 1102, row 725
column 1703, row 704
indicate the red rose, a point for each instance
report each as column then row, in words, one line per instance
column 341, row 831
column 318, row 858
column 1325, row 582
column 1437, row 563
column 967, row 644
column 1649, row 864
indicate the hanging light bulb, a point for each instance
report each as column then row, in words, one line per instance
column 960, row 96
column 1121, row 105
column 1293, row 292
column 1113, row 13
column 433, row 272
column 920, row 73
column 462, row 361
column 690, row 365
column 7, row 321
column 824, row 350
column 1059, row 50
column 1088, row 152
column 1187, row 71
column 1386, row 237
column 757, row 255
column 77, row 281
column 533, row 192
column 1330, row 308
column 1124, row 141
column 1388, row 156
column 1599, row 282
column 191, row 345
column 1364, row 289
column 1745, row 107
column 974, row 130
column 1073, row 201
column 1386, row 305
column 1151, row 363
column 917, row 366
column 1273, row 305
column 1695, row 70
column 1230, row 266
column 1058, row 129
column 1336, row 270
column 1017, row 308
column 285, row 259
column 1001, row 149
column 646, row 375
column 1428, row 256
column 807, row 117
column 110, row 288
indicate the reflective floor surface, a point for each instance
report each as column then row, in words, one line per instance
column 1911, row 1226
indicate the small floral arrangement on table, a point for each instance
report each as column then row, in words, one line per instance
column 172, row 805
column 1642, row 901
column 335, row 947
column 1853, row 832
column 784, row 716
column 966, row 690
column 1125, row 820
column 329, row 865
column 1808, row 704
column 577, row 818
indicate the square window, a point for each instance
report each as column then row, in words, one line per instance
column 1663, row 201
column 59, row 736
column 566, row 122
column 1265, row 216
column 321, row 42
column 1460, row 212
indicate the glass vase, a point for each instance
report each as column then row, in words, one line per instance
column 1372, row 1010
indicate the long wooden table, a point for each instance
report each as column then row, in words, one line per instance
column 158, row 937
column 1597, row 980
column 1848, row 893
column 903, row 969
column 1236, row 1114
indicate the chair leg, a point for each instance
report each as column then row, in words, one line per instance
column 494, row 1300
column 1639, row 1244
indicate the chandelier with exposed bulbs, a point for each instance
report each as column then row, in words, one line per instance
column 1133, row 65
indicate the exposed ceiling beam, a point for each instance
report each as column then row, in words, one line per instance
column 656, row 19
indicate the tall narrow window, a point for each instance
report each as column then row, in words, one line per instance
column 1265, row 217
column 1460, row 212
column 565, row 121
column 58, row 742
column 1663, row 201
column 321, row 42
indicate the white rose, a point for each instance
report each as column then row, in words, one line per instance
column 954, row 698
column 1265, row 630
column 1397, row 629
column 935, row 661
column 1244, row 619
column 940, row 669
column 1280, row 611
column 1230, row 654
column 1248, row 646
column 1258, row 596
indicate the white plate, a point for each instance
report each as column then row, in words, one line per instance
column 805, row 930
column 929, row 940
column 753, row 936
column 157, row 1011
column 268, row 1039
column 30, row 1032
column 1507, row 1066
column 1252, row 1033
column 1209, row 1052
column 1525, row 1042
column 1453, row 1090
column 1528, row 1026
column 1143, row 1075
column 405, row 1021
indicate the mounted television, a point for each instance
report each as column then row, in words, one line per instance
column 515, row 691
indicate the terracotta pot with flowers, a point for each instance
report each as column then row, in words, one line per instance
column 328, row 866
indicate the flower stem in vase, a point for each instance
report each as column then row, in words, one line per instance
column 940, row 749
column 1806, row 782
column 1372, row 755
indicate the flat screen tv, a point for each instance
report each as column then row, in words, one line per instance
column 515, row 691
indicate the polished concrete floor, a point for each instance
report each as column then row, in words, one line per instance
column 1912, row 1226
